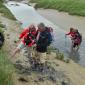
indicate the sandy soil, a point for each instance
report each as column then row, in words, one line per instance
column 72, row 71
column 63, row 20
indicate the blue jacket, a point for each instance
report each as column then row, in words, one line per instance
column 45, row 39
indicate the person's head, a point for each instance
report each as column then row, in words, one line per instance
column 71, row 29
column 32, row 27
column 41, row 27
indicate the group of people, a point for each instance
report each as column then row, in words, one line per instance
column 39, row 37
column 76, row 38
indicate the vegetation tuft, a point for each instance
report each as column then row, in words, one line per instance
column 59, row 55
column 6, row 69
column 5, row 11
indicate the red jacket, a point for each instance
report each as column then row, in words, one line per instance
column 71, row 33
column 24, row 35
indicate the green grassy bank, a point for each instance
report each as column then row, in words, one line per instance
column 5, row 12
column 6, row 69
column 73, row 7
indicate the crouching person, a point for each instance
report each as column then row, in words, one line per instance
column 27, row 39
column 44, row 39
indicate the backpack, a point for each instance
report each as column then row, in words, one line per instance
column 50, row 31
column 79, row 36
column 29, row 38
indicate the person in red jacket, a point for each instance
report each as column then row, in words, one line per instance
column 76, row 39
column 72, row 35
column 26, row 38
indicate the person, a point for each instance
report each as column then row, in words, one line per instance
column 44, row 39
column 27, row 39
column 1, row 39
column 77, row 40
column 71, row 34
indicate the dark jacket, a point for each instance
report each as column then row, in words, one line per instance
column 43, row 41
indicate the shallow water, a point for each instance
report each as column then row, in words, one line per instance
column 27, row 15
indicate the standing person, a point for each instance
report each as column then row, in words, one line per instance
column 77, row 40
column 27, row 39
column 44, row 39
column 72, row 35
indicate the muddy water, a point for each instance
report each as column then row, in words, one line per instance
column 27, row 15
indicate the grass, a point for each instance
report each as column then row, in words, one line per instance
column 73, row 7
column 1, row 27
column 59, row 55
column 6, row 69
column 5, row 11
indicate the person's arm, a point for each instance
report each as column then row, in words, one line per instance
column 68, row 33
column 23, row 33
